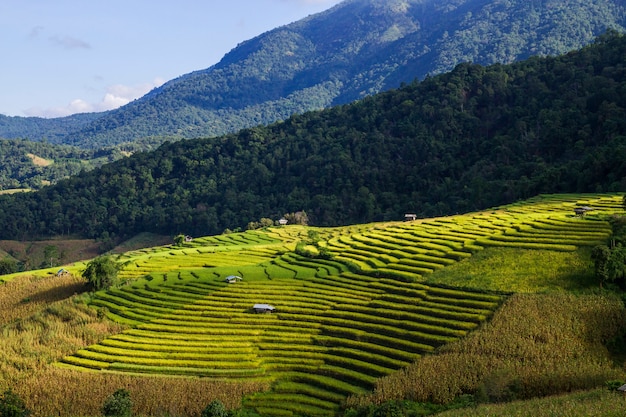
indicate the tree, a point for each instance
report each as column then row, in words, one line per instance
column 389, row 409
column 118, row 404
column 609, row 263
column 299, row 217
column 8, row 266
column 51, row 256
column 266, row 222
column 11, row 405
column 600, row 257
column 101, row 273
column 215, row 409
column 616, row 264
column 179, row 239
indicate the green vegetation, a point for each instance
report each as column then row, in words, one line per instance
column 485, row 145
column 337, row 331
column 32, row 165
column 118, row 404
column 101, row 273
column 600, row 403
column 215, row 409
column 520, row 270
column 347, row 337
column 11, row 405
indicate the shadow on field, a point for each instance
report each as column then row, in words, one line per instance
column 56, row 293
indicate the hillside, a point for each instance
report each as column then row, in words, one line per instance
column 355, row 49
column 32, row 165
column 378, row 318
column 473, row 138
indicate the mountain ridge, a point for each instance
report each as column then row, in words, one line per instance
column 352, row 50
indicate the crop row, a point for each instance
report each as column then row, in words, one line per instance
column 309, row 332
column 339, row 323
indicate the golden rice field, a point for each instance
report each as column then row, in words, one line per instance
column 418, row 310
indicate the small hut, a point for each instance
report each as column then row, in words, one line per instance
column 410, row 217
column 263, row 308
column 231, row 279
column 580, row 211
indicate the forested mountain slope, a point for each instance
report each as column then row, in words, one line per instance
column 472, row 138
column 357, row 48
column 31, row 165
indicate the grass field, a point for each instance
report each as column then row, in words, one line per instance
column 400, row 309
column 595, row 403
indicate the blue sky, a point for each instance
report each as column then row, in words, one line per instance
column 60, row 57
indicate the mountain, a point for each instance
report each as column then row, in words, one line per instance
column 469, row 139
column 355, row 49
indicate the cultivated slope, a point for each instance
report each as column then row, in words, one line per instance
column 341, row 321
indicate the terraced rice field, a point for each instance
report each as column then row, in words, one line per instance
column 339, row 323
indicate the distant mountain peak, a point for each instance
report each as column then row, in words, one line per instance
column 352, row 50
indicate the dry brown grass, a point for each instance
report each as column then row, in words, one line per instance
column 70, row 393
column 39, row 161
column 15, row 191
column 72, row 250
column 20, row 298
column 536, row 345
column 68, row 250
column 41, row 321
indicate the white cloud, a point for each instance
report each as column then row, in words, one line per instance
column 64, row 41
column 69, row 42
column 116, row 96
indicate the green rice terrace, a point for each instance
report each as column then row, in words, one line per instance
column 351, row 304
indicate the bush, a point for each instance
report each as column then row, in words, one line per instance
column 215, row 409
column 8, row 266
column 11, row 405
column 118, row 404
column 613, row 385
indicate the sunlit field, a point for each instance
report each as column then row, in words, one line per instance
column 500, row 304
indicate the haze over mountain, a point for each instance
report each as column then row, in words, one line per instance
column 355, row 49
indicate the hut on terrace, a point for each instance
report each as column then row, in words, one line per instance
column 580, row 211
column 263, row 308
column 231, row 279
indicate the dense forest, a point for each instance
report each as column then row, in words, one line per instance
column 31, row 165
column 469, row 139
column 355, row 49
